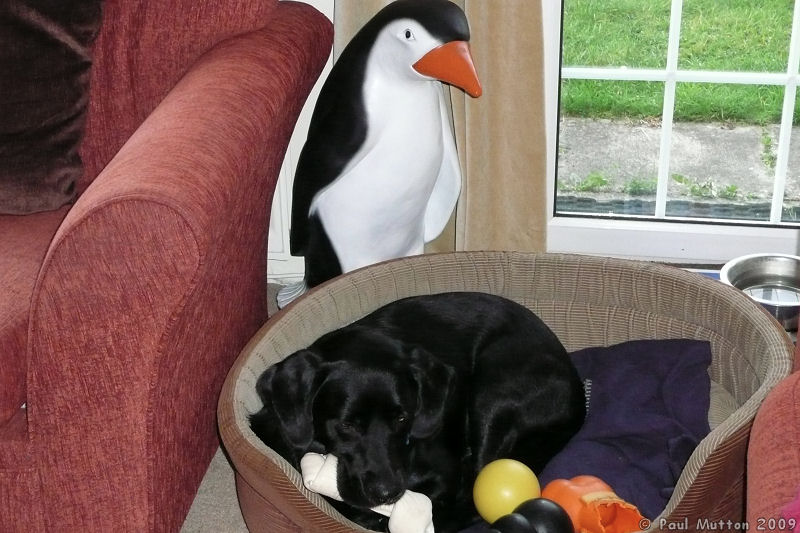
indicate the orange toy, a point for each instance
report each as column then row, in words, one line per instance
column 593, row 506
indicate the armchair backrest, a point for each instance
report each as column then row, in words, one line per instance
column 142, row 50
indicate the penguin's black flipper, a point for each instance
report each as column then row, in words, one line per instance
column 338, row 129
column 320, row 260
column 321, row 264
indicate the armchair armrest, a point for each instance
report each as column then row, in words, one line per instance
column 157, row 278
column 773, row 456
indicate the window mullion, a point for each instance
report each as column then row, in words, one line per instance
column 694, row 76
column 787, row 117
column 669, row 107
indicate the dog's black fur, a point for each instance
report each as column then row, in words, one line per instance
column 420, row 395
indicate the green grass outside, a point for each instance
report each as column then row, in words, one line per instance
column 734, row 35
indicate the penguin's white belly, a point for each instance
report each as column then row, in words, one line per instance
column 376, row 209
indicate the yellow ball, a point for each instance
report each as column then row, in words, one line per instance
column 501, row 486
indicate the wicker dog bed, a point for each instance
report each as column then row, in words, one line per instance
column 587, row 301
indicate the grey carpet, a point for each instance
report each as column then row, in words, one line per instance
column 215, row 508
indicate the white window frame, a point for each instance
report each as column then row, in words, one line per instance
column 658, row 238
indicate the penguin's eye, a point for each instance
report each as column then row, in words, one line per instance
column 409, row 35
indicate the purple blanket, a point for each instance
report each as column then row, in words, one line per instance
column 648, row 410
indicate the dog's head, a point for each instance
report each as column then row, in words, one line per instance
column 364, row 397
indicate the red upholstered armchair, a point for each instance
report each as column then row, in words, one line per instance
column 773, row 457
column 121, row 314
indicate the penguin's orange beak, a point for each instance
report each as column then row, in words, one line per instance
column 451, row 63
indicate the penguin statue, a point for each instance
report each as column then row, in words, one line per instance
column 379, row 176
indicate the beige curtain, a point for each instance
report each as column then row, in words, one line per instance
column 501, row 135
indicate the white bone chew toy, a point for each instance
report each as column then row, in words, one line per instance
column 412, row 513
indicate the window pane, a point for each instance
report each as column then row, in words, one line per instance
column 722, row 158
column 735, row 35
column 716, row 102
column 601, row 33
column 612, row 99
column 610, row 166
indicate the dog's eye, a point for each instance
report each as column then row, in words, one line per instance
column 346, row 427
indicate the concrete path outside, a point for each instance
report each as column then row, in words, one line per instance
column 710, row 163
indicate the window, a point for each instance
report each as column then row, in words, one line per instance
column 675, row 127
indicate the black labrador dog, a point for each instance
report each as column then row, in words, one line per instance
column 420, row 395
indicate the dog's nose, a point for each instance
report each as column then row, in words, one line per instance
column 386, row 492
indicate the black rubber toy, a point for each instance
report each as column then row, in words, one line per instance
column 538, row 515
column 546, row 516
column 512, row 523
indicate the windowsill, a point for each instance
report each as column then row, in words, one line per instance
column 674, row 242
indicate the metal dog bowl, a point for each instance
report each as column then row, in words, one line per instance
column 773, row 280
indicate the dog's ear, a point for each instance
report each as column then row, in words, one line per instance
column 287, row 389
column 435, row 381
